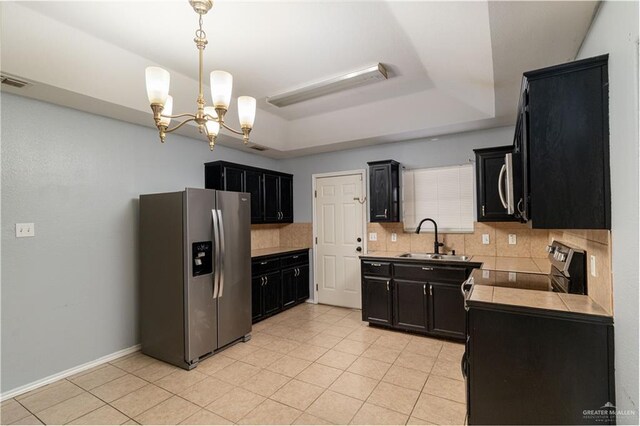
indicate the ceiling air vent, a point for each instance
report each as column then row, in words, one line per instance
column 258, row 148
column 12, row 81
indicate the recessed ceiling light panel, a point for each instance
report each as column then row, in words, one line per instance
column 337, row 84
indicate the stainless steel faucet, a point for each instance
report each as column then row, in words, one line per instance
column 436, row 244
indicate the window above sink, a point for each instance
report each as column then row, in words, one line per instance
column 442, row 193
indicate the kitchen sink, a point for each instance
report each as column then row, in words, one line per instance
column 434, row 256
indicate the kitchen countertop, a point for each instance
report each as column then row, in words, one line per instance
column 275, row 250
column 546, row 300
column 515, row 264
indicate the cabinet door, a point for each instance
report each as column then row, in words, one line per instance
column 376, row 304
column 253, row 185
column 380, row 193
column 233, row 179
column 488, row 166
column 286, row 199
column 569, row 163
column 271, row 197
column 302, row 283
column 256, row 297
column 289, row 283
column 446, row 309
column 410, row 304
column 271, row 292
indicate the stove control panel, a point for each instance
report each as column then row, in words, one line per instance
column 571, row 263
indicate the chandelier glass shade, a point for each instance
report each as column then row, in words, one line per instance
column 209, row 119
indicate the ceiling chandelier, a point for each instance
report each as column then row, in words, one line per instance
column 208, row 118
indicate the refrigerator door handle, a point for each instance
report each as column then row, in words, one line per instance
column 216, row 254
column 222, row 251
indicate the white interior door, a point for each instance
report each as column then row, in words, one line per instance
column 339, row 219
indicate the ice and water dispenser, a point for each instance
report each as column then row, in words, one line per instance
column 201, row 255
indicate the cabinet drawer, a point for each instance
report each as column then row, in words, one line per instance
column 295, row 259
column 376, row 268
column 265, row 265
column 430, row 272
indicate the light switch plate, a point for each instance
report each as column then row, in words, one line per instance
column 512, row 239
column 25, row 230
column 373, row 236
column 593, row 265
column 394, row 237
column 485, row 238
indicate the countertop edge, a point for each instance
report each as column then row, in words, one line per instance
column 274, row 251
column 554, row 313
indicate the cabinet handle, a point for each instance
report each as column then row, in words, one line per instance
column 424, row 289
column 385, row 212
column 266, row 280
column 295, row 257
column 263, row 263
column 262, row 281
column 387, row 285
column 430, row 290
column 483, row 210
column 427, row 269
column 376, row 264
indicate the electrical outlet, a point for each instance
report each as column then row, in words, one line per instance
column 25, row 230
column 512, row 239
column 593, row 266
column 486, row 274
column 394, row 237
column 485, row 238
column 373, row 236
column 512, row 277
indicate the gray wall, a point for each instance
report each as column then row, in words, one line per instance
column 69, row 294
column 615, row 31
column 448, row 150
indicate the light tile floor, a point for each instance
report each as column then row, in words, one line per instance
column 313, row 364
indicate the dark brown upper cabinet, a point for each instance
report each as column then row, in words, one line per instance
column 384, row 191
column 271, row 191
column 489, row 164
column 563, row 137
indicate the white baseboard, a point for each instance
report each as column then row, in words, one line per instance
column 70, row 372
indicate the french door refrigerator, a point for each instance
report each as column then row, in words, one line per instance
column 195, row 273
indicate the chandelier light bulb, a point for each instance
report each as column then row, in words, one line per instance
column 221, row 85
column 212, row 127
column 157, row 85
column 246, row 111
column 168, row 110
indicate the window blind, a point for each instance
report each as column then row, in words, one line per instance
column 445, row 194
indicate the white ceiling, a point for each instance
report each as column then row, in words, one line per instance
column 454, row 66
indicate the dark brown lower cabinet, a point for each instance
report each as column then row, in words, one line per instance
column 376, row 300
column 278, row 282
column 446, row 310
column 289, row 287
column 272, row 293
column 410, row 305
column 415, row 296
column 531, row 366
column 302, row 283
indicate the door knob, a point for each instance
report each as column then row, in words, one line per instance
column 359, row 239
column 358, row 248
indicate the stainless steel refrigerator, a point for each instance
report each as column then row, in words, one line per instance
column 195, row 273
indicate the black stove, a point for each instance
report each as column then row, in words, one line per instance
column 568, row 273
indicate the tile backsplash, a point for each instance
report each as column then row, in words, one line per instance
column 529, row 242
column 596, row 243
column 285, row 235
